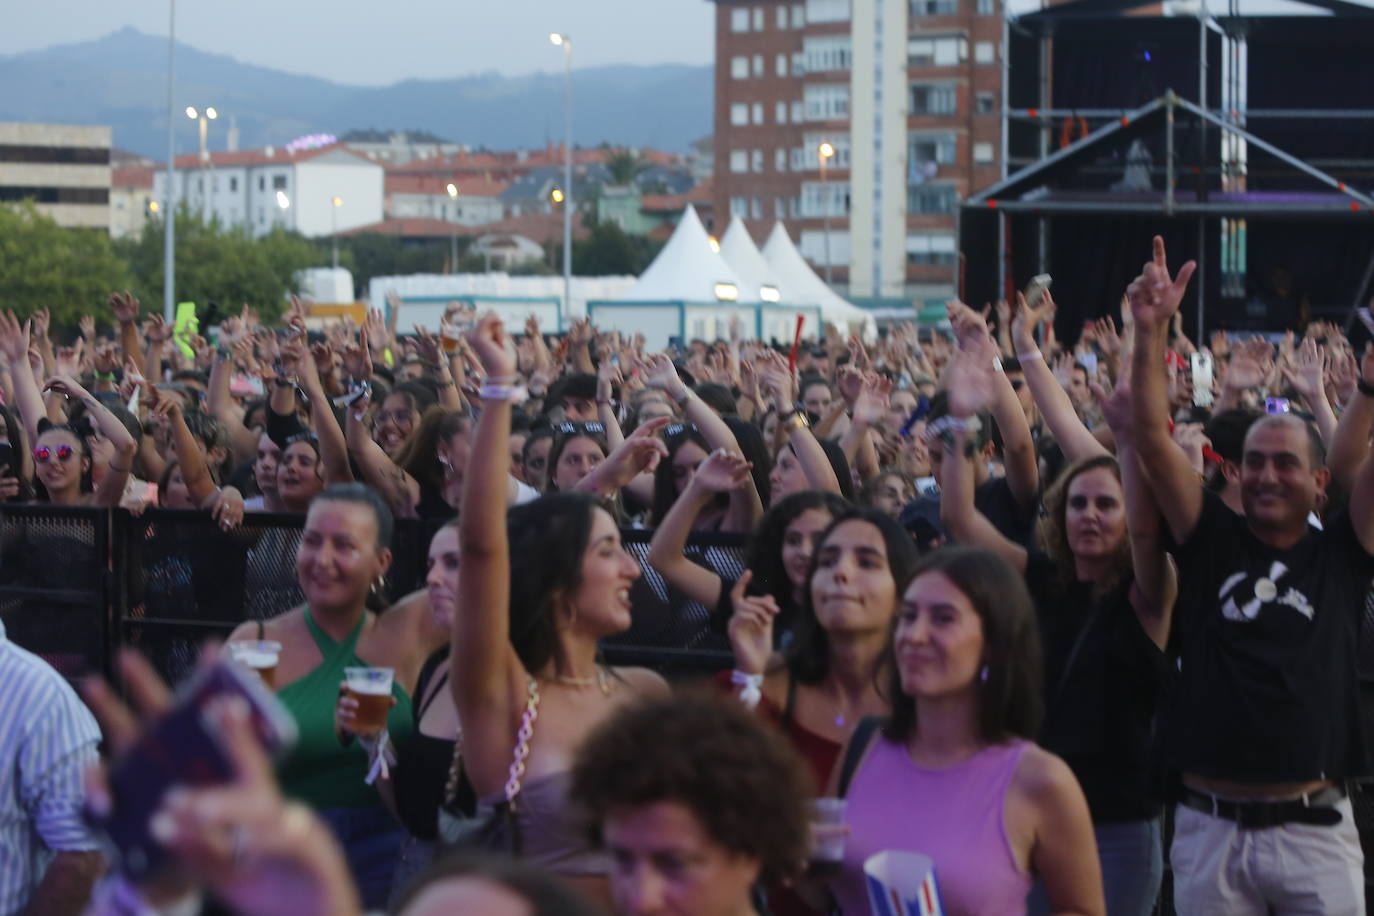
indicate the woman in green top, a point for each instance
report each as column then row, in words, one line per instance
column 343, row 553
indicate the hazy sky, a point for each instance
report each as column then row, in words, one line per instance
column 376, row 43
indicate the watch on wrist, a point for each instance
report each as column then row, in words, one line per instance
column 796, row 420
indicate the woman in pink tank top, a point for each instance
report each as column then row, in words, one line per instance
column 953, row 774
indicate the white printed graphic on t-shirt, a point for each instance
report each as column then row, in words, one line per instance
column 1264, row 591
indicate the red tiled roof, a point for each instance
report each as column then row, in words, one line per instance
column 419, row 227
column 468, row 186
column 540, row 227
column 663, row 203
column 259, row 156
column 703, row 193
column 131, row 176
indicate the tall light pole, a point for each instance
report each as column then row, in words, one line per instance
column 825, row 152
column 565, row 43
column 334, row 228
column 453, row 233
column 204, row 117
column 169, row 222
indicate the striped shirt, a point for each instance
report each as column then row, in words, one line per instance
column 47, row 739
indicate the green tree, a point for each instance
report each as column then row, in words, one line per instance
column 377, row 255
column 71, row 271
column 624, row 166
column 223, row 265
column 608, row 250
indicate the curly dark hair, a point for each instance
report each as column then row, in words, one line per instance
column 809, row 656
column 740, row 778
column 1053, row 532
column 1010, row 700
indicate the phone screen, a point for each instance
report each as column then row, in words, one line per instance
column 182, row 749
column 1202, row 379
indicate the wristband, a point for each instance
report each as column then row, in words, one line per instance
column 1027, row 357
column 1364, row 387
column 796, row 420
column 104, row 376
column 494, row 392
column 753, row 687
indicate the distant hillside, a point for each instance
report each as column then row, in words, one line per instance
column 121, row 80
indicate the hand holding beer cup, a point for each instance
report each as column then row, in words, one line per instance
column 364, row 701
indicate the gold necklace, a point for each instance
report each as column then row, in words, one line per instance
column 600, row 681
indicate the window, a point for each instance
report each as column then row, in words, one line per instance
column 827, row 11
column 985, row 103
column 782, row 17
column 821, row 247
column 739, row 68
column 756, row 208
column 758, row 112
column 739, row 206
column 798, row 63
column 987, row 7
column 827, row 53
column 758, row 65
column 793, row 207
column 758, row 19
column 933, row 99
column 824, row 198
column 936, row 52
column 780, row 112
column 923, row 148
column 798, row 16
column 934, row 7
column 838, row 139
column 930, row 249
column 931, row 198
column 798, row 112
column 739, row 114
column 780, row 208
column 739, row 160
column 739, row 20
column 233, row 184
column 200, row 185
column 757, row 161
column 262, row 183
column 984, row 52
column 827, row 102
column 982, row 153
column 780, row 160
column 780, row 65
column 279, row 182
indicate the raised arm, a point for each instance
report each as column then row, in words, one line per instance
column 1018, row 448
column 488, row 680
column 1055, row 406
column 1362, row 488
column 125, row 308
column 721, row 471
column 781, row 385
column 14, row 337
column 970, row 380
column 639, row 454
column 1156, row 578
column 1309, row 378
column 111, row 488
column 1350, row 444
column 608, row 376
column 869, row 407
column 333, row 448
column 194, row 471
column 1155, row 297
column 399, row 489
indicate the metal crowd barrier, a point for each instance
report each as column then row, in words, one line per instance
column 77, row 583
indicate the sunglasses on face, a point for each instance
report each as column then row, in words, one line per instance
column 43, row 454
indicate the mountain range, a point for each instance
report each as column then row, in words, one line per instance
column 121, row 80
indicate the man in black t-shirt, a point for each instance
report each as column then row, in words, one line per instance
column 1265, row 728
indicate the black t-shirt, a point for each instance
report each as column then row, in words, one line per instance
column 1103, row 698
column 993, row 498
column 1267, row 689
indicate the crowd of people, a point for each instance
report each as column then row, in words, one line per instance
column 1006, row 598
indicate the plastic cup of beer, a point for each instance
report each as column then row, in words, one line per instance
column 827, row 814
column 371, row 688
column 259, row 654
column 449, row 336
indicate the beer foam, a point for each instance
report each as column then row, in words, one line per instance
column 370, row 688
column 256, row 658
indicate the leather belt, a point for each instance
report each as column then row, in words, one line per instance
column 1316, row 808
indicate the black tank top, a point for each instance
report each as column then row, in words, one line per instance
column 420, row 778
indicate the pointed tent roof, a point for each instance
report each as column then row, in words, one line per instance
column 800, row 285
column 687, row 269
column 740, row 252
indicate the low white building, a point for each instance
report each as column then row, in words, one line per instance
column 314, row 192
column 476, row 203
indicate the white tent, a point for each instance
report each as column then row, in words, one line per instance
column 688, row 269
column 740, row 252
column 799, row 283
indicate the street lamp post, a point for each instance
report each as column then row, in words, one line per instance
column 565, row 43
column 334, row 228
column 169, row 243
column 204, row 117
column 453, row 233
column 825, row 152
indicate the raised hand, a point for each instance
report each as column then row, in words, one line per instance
column 493, row 347
column 607, row 377
column 663, row 374
column 849, row 381
column 1026, row 319
column 68, row 359
column 871, row 405
column 1155, row 295
column 42, row 320
column 375, row 326
column 124, row 306
column 1309, row 376
column 1250, row 364
column 357, row 360
column 969, row 382
column 751, row 627
column 722, row 471
column 426, row 345
column 87, row 325
column 156, row 331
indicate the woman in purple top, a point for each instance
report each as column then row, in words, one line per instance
column 953, row 774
